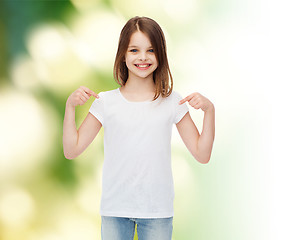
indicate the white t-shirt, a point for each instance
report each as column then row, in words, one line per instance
column 137, row 177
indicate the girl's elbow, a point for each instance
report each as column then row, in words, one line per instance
column 71, row 151
column 203, row 156
column 203, row 159
column 69, row 155
column 199, row 157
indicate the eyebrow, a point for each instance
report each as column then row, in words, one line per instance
column 137, row 46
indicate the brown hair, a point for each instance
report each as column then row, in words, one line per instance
column 155, row 34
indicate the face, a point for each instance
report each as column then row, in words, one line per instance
column 140, row 57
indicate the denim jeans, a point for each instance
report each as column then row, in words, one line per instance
column 121, row 228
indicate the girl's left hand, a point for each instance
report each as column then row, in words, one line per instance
column 197, row 101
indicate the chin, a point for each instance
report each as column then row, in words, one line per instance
column 142, row 75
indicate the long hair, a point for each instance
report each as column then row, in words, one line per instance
column 162, row 74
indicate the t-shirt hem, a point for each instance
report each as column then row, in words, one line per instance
column 137, row 215
column 97, row 115
column 180, row 116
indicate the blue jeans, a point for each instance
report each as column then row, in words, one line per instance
column 120, row 228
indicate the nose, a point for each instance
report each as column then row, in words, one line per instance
column 143, row 56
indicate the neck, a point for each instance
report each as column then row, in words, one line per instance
column 140, row 85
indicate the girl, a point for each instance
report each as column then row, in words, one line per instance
column 137, row 183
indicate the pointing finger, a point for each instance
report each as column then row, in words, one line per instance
column 182, row 101
column 188, row 98
column 89, row 92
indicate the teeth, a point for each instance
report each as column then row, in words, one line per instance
column 146, row 65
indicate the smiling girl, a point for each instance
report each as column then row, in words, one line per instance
column 137, row 182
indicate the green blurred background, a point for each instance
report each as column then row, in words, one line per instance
column 50, row 48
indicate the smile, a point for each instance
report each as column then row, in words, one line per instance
column 143, row 66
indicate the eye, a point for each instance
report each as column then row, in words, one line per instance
column 151, row 50
column 133, row 50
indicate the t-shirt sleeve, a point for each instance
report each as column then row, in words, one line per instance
column 97, row 108
column 179, row 110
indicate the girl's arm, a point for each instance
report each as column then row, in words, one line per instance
column 76, row 141
column 199, row 145
column 206, row 139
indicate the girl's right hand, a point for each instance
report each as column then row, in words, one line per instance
column 80, row 96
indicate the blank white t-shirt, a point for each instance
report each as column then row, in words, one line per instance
column 137, row 177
